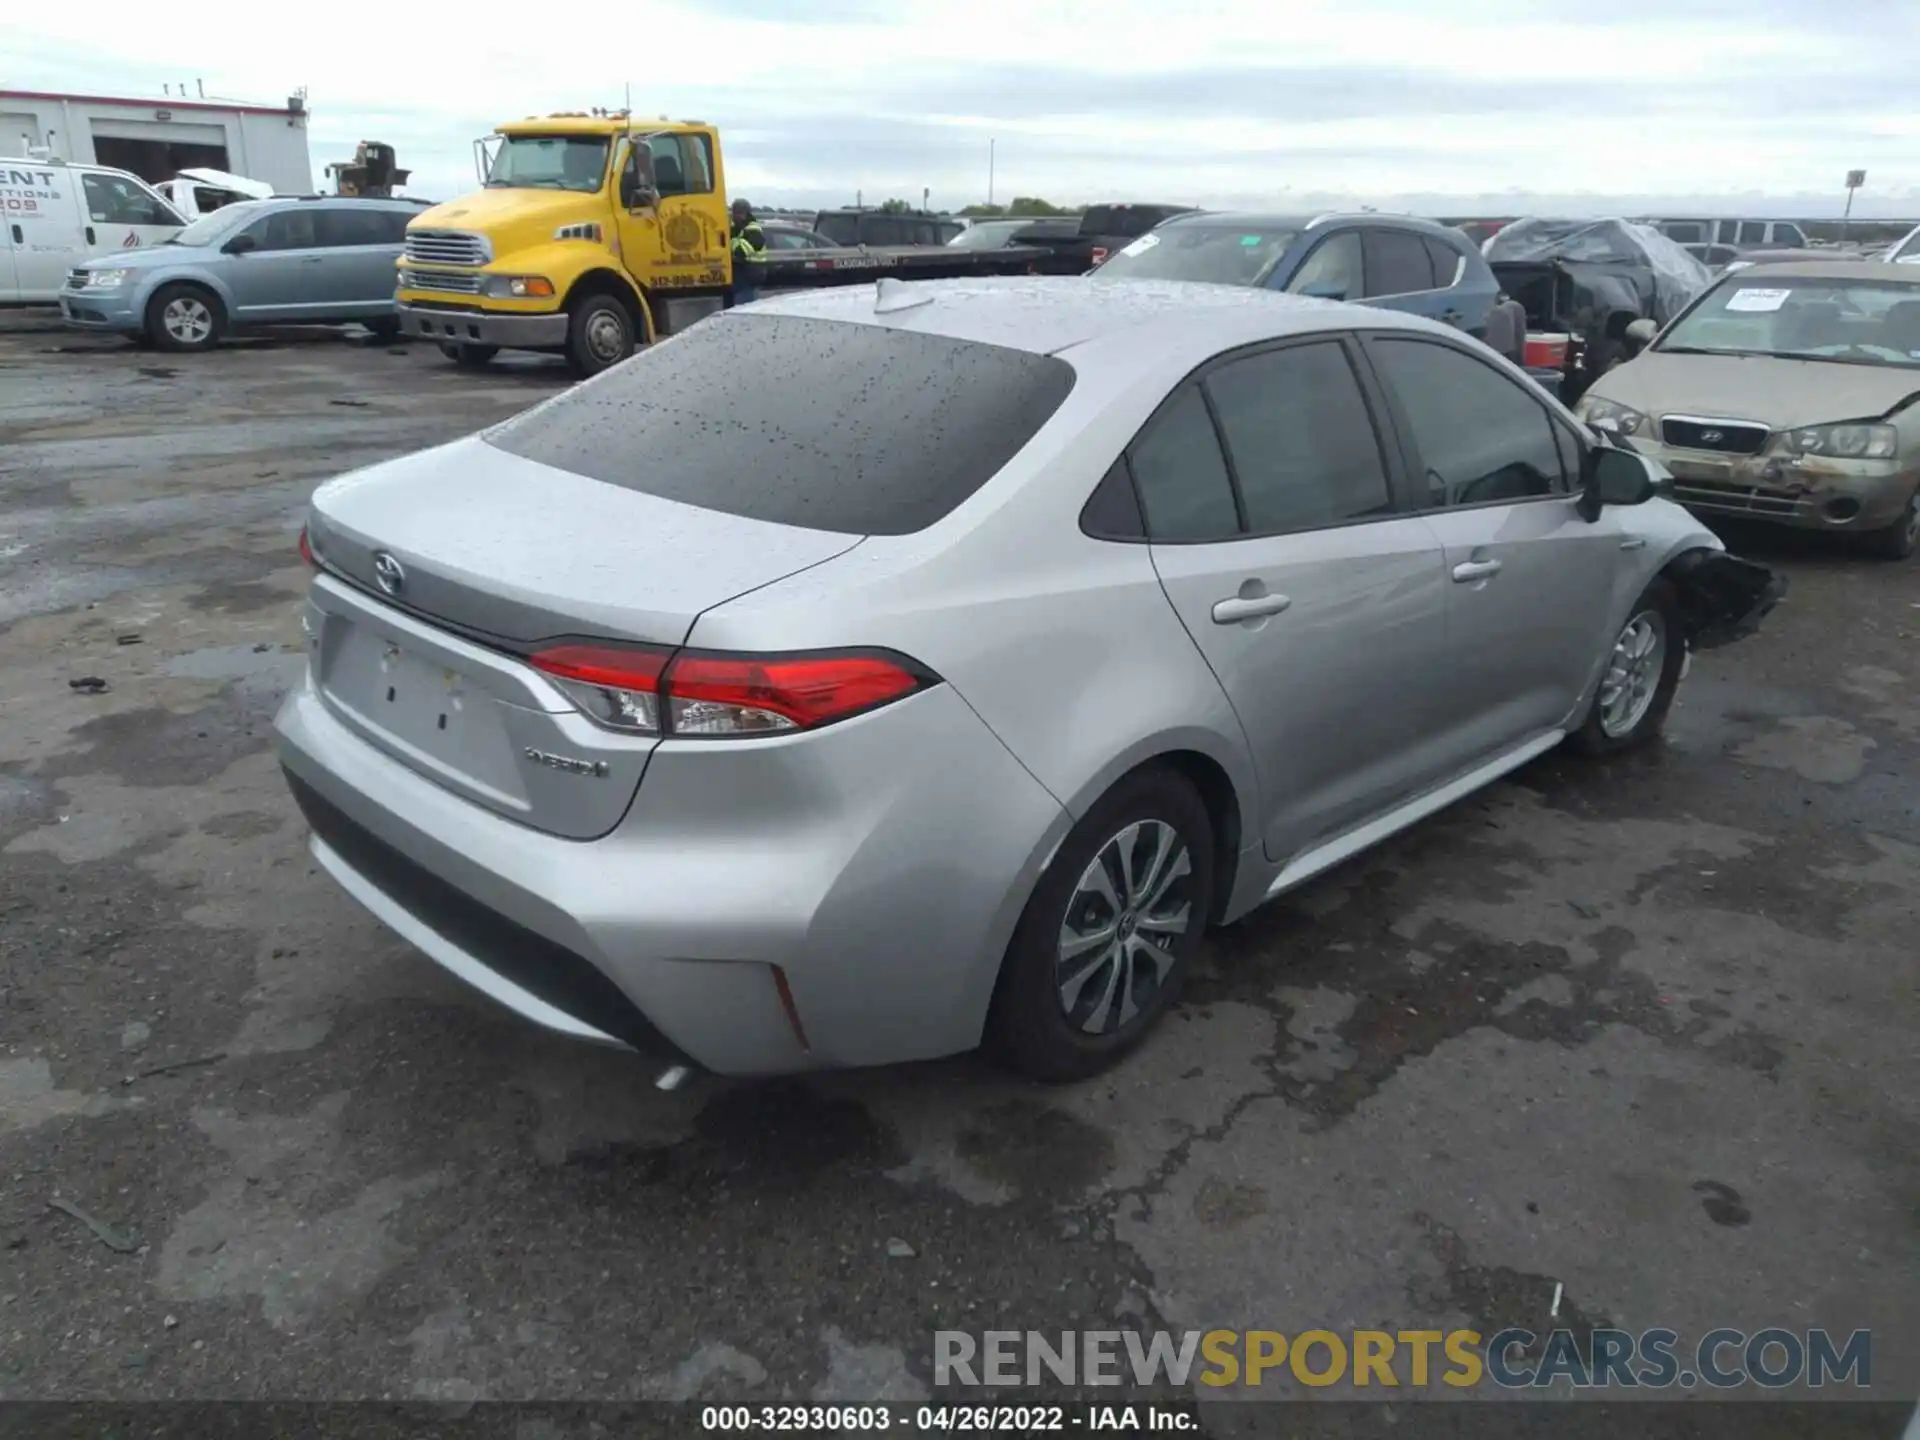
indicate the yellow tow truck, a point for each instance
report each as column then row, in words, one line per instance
column 592, row 234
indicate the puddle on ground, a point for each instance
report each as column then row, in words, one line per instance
column 254, row 671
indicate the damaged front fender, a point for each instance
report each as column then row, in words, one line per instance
column 1722, row 598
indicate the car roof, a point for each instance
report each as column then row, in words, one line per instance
column 1886, row 270
column 1047, row 315
column 1262, row 220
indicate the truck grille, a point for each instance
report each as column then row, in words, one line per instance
column 447, row 247
column 450, row 282
column 1729, row 437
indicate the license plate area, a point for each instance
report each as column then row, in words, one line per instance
column 428, row 713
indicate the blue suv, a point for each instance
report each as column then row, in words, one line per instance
column 315, row 259
column 1393, row 261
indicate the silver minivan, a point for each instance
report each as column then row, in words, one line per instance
column 295, row 260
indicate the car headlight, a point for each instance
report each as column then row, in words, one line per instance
column 1610, row 415
column 107, row 279
column 517, row 287
column 1847, row 442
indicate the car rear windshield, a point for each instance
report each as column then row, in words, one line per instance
column 1215, row 253
column 888, row 433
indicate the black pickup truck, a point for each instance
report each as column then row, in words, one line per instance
column 875, row 243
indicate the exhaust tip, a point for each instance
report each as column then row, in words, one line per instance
column 673, row 1077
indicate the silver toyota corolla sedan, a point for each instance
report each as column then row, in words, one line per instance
column 950, row 692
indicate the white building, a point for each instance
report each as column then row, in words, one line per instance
column 156, row 139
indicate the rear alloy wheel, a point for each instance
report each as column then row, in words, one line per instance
column 1642, row 674
column 1898, row 540
column 1101, row 949
column 599, row 333
column 184, row 317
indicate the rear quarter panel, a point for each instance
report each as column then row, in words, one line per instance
column 1065, row 646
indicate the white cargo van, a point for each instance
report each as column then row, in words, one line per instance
column 54, row 214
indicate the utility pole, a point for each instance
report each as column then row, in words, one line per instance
column 990, row 173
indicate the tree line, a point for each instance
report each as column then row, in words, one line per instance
column 1020, row 206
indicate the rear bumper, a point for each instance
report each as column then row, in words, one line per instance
column 478, row 327
column 882, row 887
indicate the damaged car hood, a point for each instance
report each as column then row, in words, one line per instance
column 1780, row 393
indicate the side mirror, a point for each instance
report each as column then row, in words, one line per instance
column 1617, row 477
column 1640, row 335
column 240, row 245
column 1324, row 291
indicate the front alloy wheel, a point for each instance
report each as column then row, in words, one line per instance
column 1642, row 673
column 1633, row 674
column 1131, row 906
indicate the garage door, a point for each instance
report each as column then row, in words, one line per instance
column 171, row 131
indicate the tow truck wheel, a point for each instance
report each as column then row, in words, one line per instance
column 470, row 356
column 1898, row 540
column 599, row 334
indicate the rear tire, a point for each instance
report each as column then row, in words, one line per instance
column 1642, row 676
column 185, row 318
column 600, row 332
column 470, row 357
column 1898, row 540
column 1084, row 981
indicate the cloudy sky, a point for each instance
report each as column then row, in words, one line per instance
column 1216, row 102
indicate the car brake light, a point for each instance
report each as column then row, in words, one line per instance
column 306, row 549
column 616, row 685
column 1099, row 253
column 700, row 695
column 764, row 694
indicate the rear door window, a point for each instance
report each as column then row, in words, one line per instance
column 1182, row 475
column 891, row 431
column 1397, row 263
column 1449, row 265
column 1301, row 441
column 342, row 225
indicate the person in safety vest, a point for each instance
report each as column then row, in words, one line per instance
column 749, row 250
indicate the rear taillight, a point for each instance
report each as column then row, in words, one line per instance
column 306, row 549
column 1099, row 253
column 616, row 685
column 697, row 695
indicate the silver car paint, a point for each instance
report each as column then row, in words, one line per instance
column 886, row 886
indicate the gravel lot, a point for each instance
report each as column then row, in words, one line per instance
column 1648, row 1030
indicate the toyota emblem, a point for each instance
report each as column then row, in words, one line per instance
column 388, row 572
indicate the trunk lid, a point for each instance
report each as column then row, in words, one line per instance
column 485, row 553
column 516, row 551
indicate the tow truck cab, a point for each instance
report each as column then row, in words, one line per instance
column 592, row 234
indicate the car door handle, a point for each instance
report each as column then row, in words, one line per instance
column 312, row 259
column 1232, row 612
column 19, row 236
column 1638, row 542
column 1470, row 570
column 90, row 239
